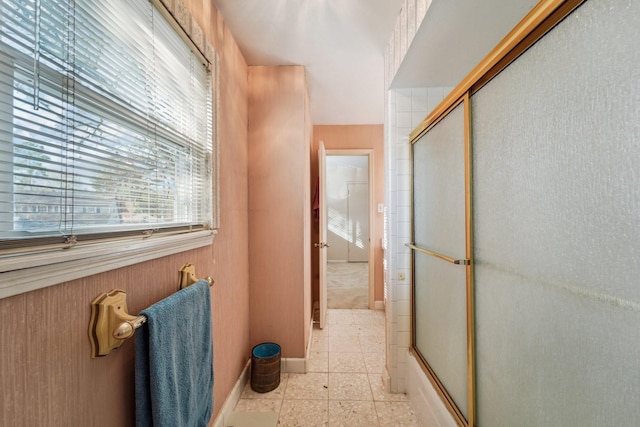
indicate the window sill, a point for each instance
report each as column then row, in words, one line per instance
column 26, row 273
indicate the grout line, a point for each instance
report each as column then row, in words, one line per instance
column 369, row 375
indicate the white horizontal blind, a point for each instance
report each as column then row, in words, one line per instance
column 105, row 123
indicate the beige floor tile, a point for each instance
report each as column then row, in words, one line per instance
column 344, row 330
column 319, row 344
column 396, row 414
column 252, row 419
column 371, row 344
column 346, row 362
column 363, row 311
column 339, row 317
column 370, row 330
column 304, row 413
column 374, row 362
column 352, row 413
column 317, row 332
column 344, row 344
column 312, row 385
column 258, row 405
column 278, row 393
column 368, row 317
column 343, row 385
column 318, row 362
column 349, row 386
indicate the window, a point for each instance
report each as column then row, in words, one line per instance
column 105, row 130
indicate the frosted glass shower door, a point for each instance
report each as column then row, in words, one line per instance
column 557, row 215
column 439, row 246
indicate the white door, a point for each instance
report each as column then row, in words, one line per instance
column 322, row 244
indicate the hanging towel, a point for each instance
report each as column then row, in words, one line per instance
column 174, row 361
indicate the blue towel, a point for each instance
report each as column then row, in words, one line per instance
column 174, row 361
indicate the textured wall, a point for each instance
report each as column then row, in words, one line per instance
column 279, row 207
column 46, row 373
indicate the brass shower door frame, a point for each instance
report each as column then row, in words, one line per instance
column 538, row 22
column 467, row 263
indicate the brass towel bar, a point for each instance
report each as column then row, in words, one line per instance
column 437, row 255
column 111, row 323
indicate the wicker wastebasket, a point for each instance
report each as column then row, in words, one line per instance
column 265, row 367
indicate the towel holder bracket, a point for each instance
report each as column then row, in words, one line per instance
column 111, row 324
column 109, row 314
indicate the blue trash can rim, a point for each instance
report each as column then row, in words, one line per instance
column 266, row 349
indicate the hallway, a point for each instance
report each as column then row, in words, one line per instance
column 348, row 285
column 343, row 386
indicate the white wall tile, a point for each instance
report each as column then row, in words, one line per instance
column 402, row 133
column 403, row 198
column 404, row 215
column 404, row 259
column 403, row 100
column 404, row 309
column 404, row 323
column 418, row 116
column 404, row 227
column 404, row 294
column 404, row 151
column 401, row 383
column 406, row 108
column 404, row 179
column 419, row 98
column 401, row 242
column 403, row 119
column 391, row 101
column 435, row 93
column 402, row 356
column 404, row 339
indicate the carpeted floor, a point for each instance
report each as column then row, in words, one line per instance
column 347, row 285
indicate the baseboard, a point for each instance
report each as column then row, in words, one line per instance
column 234, row 396
column 295, row 365
column 378, row 305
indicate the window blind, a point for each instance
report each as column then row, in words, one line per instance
column 105, row 123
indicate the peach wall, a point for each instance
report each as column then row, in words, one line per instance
column 344, row 137
column 279, row 207
column 47, row 377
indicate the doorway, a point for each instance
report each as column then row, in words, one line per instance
column 348, row 204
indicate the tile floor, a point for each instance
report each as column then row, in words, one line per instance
column 343, row 385
column 348, row 285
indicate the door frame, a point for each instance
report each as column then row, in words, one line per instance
column 370, row 163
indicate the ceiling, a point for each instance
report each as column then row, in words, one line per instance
column 341, row 44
